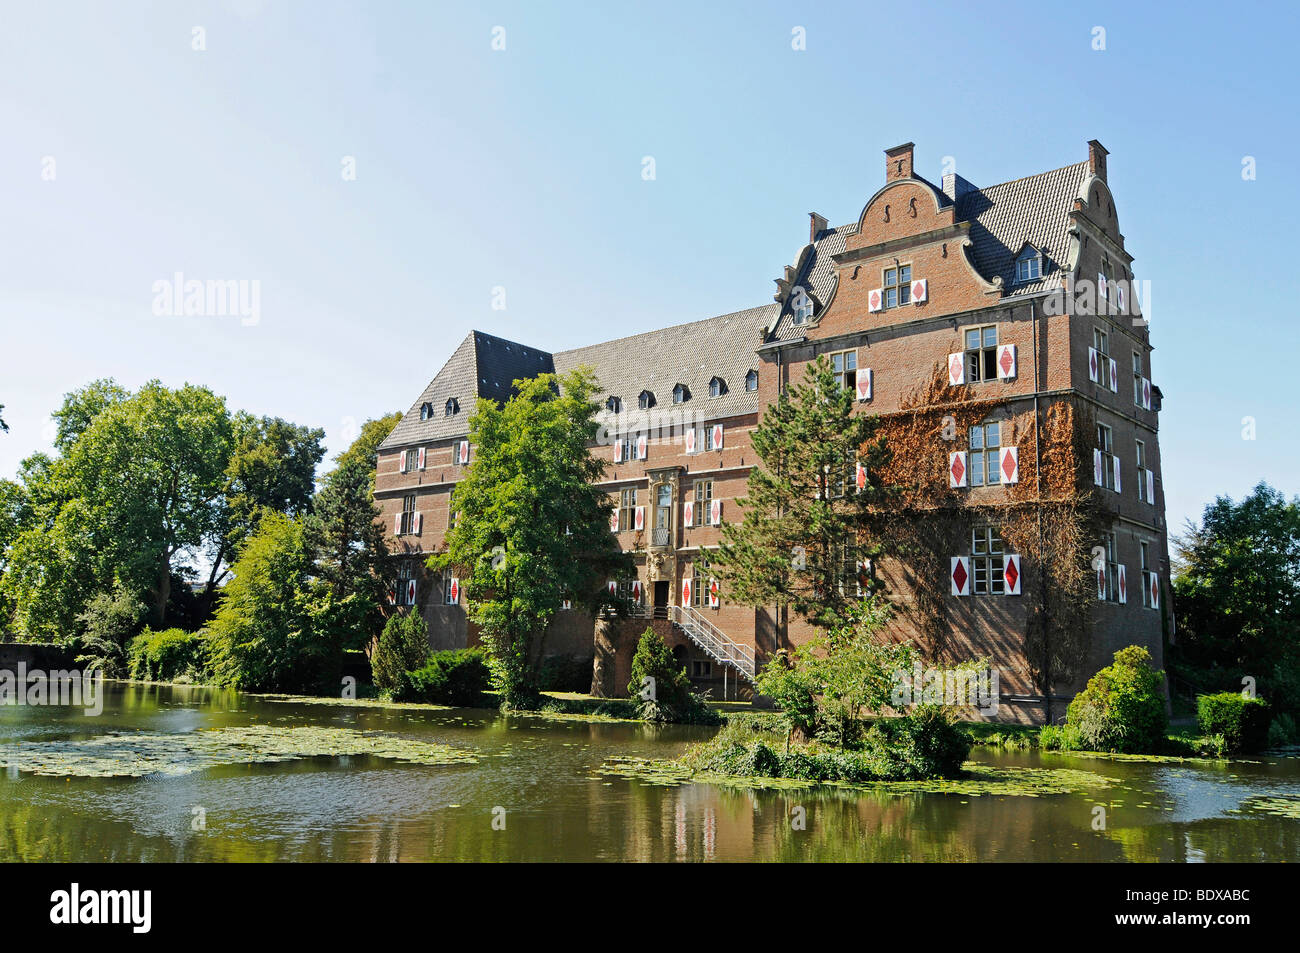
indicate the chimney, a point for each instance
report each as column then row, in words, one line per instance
column 1097, row 159
column 816, row 223
column 954, row 186
column 898, row 162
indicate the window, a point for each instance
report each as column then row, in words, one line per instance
column 981, row 347
column 987, row 549
column 405, row 573
column 625, row 592
column 848, row 577
column 717, row 387
column 614, row 405
column 703, row 495
column 449, row 598
column 985, row 444
column 700, row 579
column 1108, row 586
column 751, row 381
column 1106, row 443
column 845, row 366
column 1142, row 471
column 801, row 307
column 452, row 408
column 1146, row 574
column 408, row 513
column 701, row 668
column 646, row 400
column 1137, row 379
column 681, row 394
column 1103, row 298
column 412, row 460
column 898, row 286
column 627, row 447
column 626, row 509
column 663, row 514
column 426, row 410
column 1101, row 343
column 1029, row 266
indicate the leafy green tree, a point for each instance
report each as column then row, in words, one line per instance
column 667, row 697
column 110, row 621
column 365, row 448
column 346, row 540
column 83, row 405
column 1123, row 706
column 4, row 427
column 805, row 520
column 403, row 647
column 1237, row 596
column 533, row 528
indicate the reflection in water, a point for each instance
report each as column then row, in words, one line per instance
column 557, row 807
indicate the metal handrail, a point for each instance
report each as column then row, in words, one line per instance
column 714, row 641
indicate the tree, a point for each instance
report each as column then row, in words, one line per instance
column 1237, row 590
column 365, row 448
column 4, row 427
column 533, row 528
column 1123, row 706
column 110, row 621
column 403, row 647
column 803, row 536
column 82, row 406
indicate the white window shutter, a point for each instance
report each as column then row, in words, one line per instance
column 419, row 523
column 1009, row 464
column 688, row 515
column 397, row 525
column 639, row 523
column 956, row 369
column 420, row 461
column 618, row 449
column 463, row 454
column 401, row 461
column 960, row 575
column 612, row 587
column 1101, row 583
column 1094, row 368
column 1006, row 361
column 875, row 300
column 864, row 383
column 1123, row 585
column 641, row 448
column 920, row 288
column 1155, row 590
column 1011, row 574
column 686, row 593
column 715, row 513
column 1098, row 475
column 1151, row 486
column 860, row 477
column 1101, row 288
column 1114, row 376
column 455, row 591
column 714, row 598
column 410, row 592
column 957, row 468
column 566, row 604
column 1118, row 487
column 690, row 440
column 717, row 436
column 613, row 521
column 1146, row 393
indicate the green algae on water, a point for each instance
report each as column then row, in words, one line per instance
column 139, row 754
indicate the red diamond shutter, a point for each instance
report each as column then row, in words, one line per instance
column 455, row 591
column 1010, row 465
column 397, row 525
column 1123, row 585
column 1011, row 574
column 957, row 468
column 717, row 436
column 618, row 449
column 686, row 593
column 715, row 513
column 1101, row 288
column 420, row 461
column 636, row 591
column 639, row 519
column 1006, row 361
column 864, row 383
column 419, row 523
column 613, row 521
column 875, row 300
column 401, row 461
column 410, row 593
column 1151, row 486
column 1114, row 376
column 641, row 447
column 714, row 600
column 688, row 514
column 1097, row 473
column 463, row 455
column 960, row 575
column 1155, row 591
column 919, row 289
column 861, row 477
column 612, row 586
column 690, row 440
column 1119, row 295
column 956, row 369
column 1146, row 393
column 1101, row 582
column 1093, row 366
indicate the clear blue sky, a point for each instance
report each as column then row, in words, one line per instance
column 521, row 168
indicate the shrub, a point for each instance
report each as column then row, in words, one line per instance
column 403, row 647
column 169, row 655
column 1282, row 732
column 109, row 622
column 1060, row 738
column 668, row 698
column 1122, row 708
column 1242, row 721
column 925, row 743
column 458, row 677
column 564, row 673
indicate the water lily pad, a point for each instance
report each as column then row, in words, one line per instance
column 1284, row 805
column 139, row 754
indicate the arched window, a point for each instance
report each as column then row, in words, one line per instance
column 646, row 400
column 1029, row 264
column 751, row 381
column 614, row 405
column 717, row 387
column 426, row 410
column 801, row 306
column 681, row 394
column 452, row 408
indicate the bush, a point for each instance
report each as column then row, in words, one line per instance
column 668, row 698
column 1060, row 738
column 109, row 622
column 1243, row 722
column 403, row 647
column 1122, row 708
column 458, row 677
column 169, row 655
column 1282, row 732
column 565, row 673
column 925, row 743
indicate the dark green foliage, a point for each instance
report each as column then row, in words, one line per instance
column 667, row 696
column 169, row 655
column 923, row 744
column 458, row 677
column 403, row 647
column 108, row 624
column 1243, row 722
column 1122, row 709
column 565, row 673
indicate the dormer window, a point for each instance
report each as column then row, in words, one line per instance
column 681, row 394
column 614, row 405
column 452, row 408
column 751, row 381
column 426, row 410
column 1029, row 265
column 646, row 400
column 717, row 387
column 801, row 307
